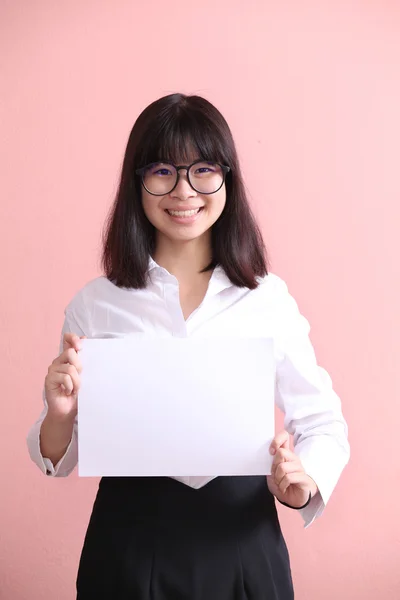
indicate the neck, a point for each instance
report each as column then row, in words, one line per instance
column 183, row 259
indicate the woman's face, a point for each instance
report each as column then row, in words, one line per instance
column 183, row 214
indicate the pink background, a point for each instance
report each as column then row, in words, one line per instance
column 312, row 93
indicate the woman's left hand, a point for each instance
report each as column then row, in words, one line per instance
column 288, row 480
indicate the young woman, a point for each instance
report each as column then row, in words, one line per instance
column 183, row 256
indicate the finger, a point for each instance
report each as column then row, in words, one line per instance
column 71, row 357
column 71, row 340
column 64, row 380
column 298, row 479
column 281, row 440
column 287, row 467
column 282, row 455
column 68, row 370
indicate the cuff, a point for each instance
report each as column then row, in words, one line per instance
column 323, row 459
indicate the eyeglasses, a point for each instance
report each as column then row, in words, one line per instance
column 204, row 177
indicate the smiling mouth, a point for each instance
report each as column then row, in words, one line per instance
column 184, row 213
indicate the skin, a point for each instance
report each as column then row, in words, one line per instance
column 288, row 480
column 182, row 198
column 184, row 250
column 62, row 385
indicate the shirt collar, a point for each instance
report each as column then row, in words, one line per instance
column 153, row 264
column 218, row 282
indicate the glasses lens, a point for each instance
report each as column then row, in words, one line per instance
column 206, row 177
column 159, row 178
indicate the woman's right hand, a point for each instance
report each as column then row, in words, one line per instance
column 62, row 382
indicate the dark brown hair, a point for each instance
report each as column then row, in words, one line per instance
column 168, row 129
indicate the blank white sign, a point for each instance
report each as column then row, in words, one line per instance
column 176, row 407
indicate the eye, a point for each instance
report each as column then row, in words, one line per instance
column 160, row 170
column 204, row 168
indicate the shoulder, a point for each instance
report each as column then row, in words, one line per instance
column 276, row 296
column 272, row 286
column 81, row 309
column 86, row 295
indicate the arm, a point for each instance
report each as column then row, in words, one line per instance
column 53, row 439
column 312, row 409
column 64, row 452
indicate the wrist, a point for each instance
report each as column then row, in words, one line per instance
column 297, row 507
column 55, row 436
column 59, row 420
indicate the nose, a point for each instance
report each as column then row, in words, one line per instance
column 183, row 189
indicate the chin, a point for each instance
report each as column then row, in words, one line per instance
column 183, row 233
column 185, row 237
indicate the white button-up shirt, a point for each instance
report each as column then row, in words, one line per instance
column 303, row 390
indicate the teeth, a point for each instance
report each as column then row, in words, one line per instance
column 183, row 213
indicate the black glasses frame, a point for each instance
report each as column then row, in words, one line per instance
column 142, row 170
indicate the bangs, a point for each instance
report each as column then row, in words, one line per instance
column 182, row 138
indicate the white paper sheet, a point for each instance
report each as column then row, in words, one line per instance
column 176, row 407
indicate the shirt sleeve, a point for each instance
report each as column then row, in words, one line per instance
column 73, row 323
column 313, row 413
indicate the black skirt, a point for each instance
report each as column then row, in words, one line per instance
column 157, row 539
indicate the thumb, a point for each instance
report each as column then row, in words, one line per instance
column 281, row 440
